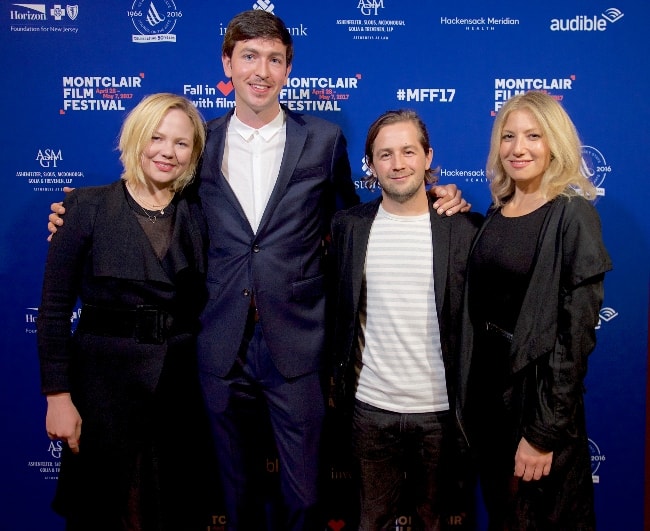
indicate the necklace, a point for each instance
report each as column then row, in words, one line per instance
column 146, row 213
column 160, row 208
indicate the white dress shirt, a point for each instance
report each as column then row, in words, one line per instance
column 251, row 163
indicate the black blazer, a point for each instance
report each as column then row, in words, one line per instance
column 102, row 256
column 452, row 237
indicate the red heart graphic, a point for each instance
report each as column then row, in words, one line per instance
column 225, row 88
column 336, row 525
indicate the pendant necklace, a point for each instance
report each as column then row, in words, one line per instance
column 161, row 210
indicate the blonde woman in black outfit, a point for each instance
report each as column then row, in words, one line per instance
column 535, row 288
column 122, row 391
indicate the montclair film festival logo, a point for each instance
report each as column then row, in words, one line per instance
column 323, row 94
column 98, row 93
column 506, row 88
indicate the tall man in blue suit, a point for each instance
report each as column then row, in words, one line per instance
column 270, row 181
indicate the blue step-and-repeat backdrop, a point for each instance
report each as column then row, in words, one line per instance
column 70, row 72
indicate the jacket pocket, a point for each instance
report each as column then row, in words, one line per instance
column 308, row 289
column 214, row 289
column 300, row 174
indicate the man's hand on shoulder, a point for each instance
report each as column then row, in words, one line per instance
column 448, row 200
column 54, row 219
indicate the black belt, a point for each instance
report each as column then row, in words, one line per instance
column 494, row 329
column 146, row 323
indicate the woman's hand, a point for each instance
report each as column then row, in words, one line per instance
column 531, row 463
column 63, row 421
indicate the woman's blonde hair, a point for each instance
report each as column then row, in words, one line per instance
column 563, row 175
column 141, row 124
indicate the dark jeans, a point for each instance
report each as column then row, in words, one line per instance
column 389, row 446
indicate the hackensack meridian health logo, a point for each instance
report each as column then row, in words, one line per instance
column 153, row 23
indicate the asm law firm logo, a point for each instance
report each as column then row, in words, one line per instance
column 587, row 22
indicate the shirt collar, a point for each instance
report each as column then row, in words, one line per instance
column 267, row 132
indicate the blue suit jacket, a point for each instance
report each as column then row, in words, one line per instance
column 283, row 264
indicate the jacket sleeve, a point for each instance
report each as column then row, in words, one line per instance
column 346, row 194
column 61, row 288
column 559, row 377
column 335, row 360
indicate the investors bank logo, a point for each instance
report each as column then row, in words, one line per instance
column 592, row 22
column 154, row 20
column 296, row 30
column 264, row 5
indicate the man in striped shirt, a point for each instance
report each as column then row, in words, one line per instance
column 400, row 275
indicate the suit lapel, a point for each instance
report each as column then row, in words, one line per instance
column 440, row 235
column 296, row 136
column 358, row 245
column 360, row 235
column 214, row 157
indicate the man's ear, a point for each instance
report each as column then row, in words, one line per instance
column 227, row 65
